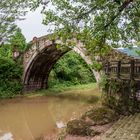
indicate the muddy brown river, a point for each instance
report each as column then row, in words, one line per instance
column 28, row 119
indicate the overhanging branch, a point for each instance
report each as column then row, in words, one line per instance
column 84, row 14
column 122, row 7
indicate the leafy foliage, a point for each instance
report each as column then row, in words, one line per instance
column 6, row 51
column 10, row 78
column 98, row 23
column 18, row 41
column 70, row 70
column 97, row 66
column 11, row 71
column 10, row 11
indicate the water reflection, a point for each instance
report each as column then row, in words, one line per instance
column 27, row 119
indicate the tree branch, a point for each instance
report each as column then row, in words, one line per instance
column 84, row 14
column 122, row 7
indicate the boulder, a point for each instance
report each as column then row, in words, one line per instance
column 80, row 127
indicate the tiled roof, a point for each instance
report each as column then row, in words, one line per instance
column 131, row 52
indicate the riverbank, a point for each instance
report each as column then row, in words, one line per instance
column 90, row 128
column 62, row 88
column 91, row 125
column 88, row 92
column 93, row 122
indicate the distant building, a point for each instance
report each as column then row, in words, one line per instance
column 122, row 54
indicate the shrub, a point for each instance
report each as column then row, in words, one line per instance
column 10, row 78
column 70, row 70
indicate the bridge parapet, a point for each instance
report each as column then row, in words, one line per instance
column 129, row 70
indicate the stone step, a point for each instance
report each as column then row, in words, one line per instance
column 126, row 128
column 117, row 125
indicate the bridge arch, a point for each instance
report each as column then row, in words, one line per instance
column 40, row 58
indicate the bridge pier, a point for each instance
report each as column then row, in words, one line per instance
column 35, row 86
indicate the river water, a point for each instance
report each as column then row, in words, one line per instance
column 28, row 119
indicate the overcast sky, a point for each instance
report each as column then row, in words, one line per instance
column 32, row 26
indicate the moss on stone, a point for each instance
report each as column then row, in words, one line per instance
column 101, row 115
column 80, row 127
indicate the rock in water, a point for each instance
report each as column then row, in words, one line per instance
column 79, row 127
column 60, row 124
column 7, row 136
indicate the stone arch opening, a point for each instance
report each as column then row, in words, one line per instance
column 40, row 58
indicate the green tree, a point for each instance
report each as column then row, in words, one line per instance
column 10, row 70
column 71, row 70
column 10, row 78
column 10, row 11
column 98, row 23
column 18, row 41
column 6, row 51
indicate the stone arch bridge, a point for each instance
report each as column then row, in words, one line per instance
column 42, row 55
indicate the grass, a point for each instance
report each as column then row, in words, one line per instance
column 87, row 92
column 62, row 87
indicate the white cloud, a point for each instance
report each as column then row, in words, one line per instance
column 32, row 26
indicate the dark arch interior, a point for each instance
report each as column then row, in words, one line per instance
column 37, row 74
